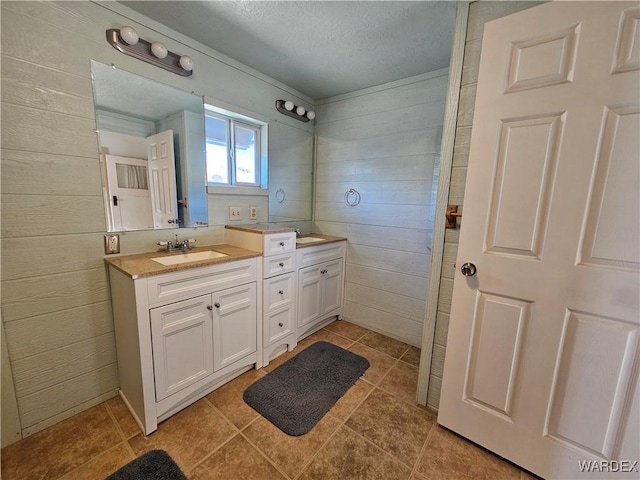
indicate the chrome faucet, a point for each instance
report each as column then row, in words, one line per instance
column 298, row 234
column 176, row 246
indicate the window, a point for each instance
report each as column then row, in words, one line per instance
column 235, row 150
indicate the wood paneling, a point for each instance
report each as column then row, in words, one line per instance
column 37, row 372
column 46, row 174
column 41, row 333
column 383, row 142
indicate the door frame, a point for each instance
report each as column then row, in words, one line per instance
column 446, row 161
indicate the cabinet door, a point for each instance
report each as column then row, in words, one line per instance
column 234, row 324
column 309, row 294
column 332, row 273
column 182, row 338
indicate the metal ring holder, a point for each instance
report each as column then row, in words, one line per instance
column 352, row 197
column 280, row 195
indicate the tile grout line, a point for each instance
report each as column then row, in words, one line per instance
column 388, row 454
column 259, row 450
column 414, row 471
column 343, row 423
column 237, row 431
column 113, row 447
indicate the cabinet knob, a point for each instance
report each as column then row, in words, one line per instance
column 209, row 307
column 280, row 324
column 282, row 244
column 323, row 271
column 217, row 305
column 281, row 264
column 281, row 292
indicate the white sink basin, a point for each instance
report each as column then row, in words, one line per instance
column 188, row 257
column 308, row 239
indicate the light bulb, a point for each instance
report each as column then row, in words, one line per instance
column 311, row 115
column 129, row 35
column 300, row 111
column 159, row 50
column 186, row 62
column 288, row 105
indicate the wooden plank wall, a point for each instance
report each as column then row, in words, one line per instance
column 479, row 13
column 55, row 294
column 383, row 142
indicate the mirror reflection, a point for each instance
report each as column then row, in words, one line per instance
column 151, row 139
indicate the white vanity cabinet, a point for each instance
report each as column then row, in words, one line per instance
column 320, row 285
column 180, row 335
column 278, row 248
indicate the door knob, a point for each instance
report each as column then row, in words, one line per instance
column 468, row 269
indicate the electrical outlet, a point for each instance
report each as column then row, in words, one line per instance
column 235, row 213
column 111, row 244
column 253, row 213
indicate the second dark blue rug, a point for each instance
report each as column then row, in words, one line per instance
column 297, row 394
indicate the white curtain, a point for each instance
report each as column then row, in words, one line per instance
column 132, row 176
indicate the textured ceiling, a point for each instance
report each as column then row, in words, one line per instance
column 321, row 48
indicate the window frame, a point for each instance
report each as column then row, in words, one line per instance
column 232, row 120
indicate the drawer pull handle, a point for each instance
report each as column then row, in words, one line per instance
column 281, row 292
column 217, row 305
column 281, row 264
column 282, row 244
column 281, row 324
column 323, row 271
column 209, row 307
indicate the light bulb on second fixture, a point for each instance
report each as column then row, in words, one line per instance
column 288, row 105
column 186, row 62
column 311, row 115
column 300, row 111
column 159, row 50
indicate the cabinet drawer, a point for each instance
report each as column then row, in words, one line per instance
column 278, row 264
column 279, row 291
column 279, row 324
column 187, row 283
column 276, row 243
column 320, row 253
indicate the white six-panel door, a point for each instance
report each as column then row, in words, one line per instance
column 542, row 354
column 162, row 179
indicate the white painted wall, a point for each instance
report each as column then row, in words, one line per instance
column 55, row 295
column 385, row 143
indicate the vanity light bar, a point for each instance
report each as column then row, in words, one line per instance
column 299, row 113
column 154, row 53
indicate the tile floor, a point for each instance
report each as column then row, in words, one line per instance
column 374, row 432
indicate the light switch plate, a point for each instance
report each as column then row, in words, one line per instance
column 235, row 213
column 111, row 244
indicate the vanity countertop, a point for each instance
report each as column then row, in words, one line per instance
column 140, row 265
column 261, row 228
column 325, row 239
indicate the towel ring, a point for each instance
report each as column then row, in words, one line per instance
column 280, row 195
column 352, row 197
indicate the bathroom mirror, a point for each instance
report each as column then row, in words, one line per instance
column 152, row 157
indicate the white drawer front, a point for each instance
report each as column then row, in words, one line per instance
column 187, row 283
column 279, row 324
column 320, row 253
column 278, row 264
column 279, row 291
column 276, row 243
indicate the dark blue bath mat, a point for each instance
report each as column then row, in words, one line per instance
column 297, row 394
column 153, row 465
